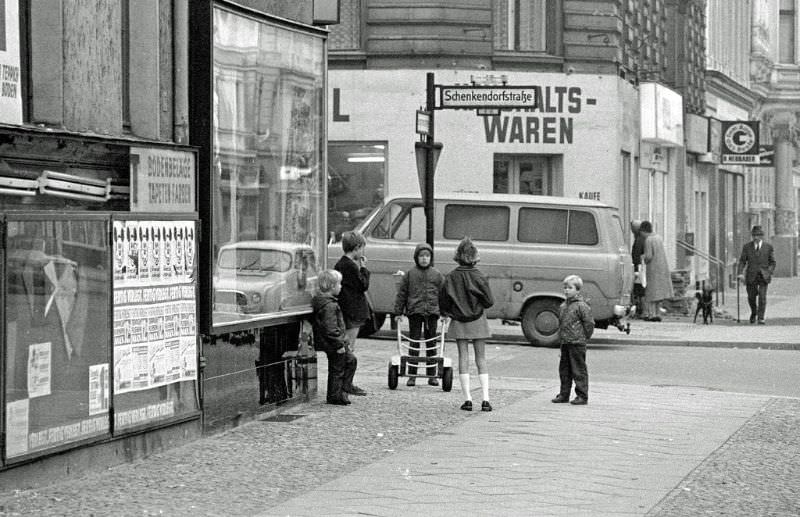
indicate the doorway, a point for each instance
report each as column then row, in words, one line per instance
column 534, row 174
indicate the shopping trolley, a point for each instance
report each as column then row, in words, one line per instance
column 435, row 366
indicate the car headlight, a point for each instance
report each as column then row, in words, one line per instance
column 255, row 298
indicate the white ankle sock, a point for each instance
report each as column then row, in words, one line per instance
column 464, row 378
column 484, row 378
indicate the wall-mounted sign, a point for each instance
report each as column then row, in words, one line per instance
column 740, row 142
column 10, row 80
column 714, row 139
column 423, row 123
column 162, row 180
column 766, row 155
column 661, row 111
column 520, row 97
column 696, row 134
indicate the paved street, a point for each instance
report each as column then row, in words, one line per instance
column 638, row 448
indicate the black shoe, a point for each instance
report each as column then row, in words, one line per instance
column 578, row 401
column 433, row 382
column 761, row 322
column 355, row 390
column 467, row 406
column 560, row 399
column 338, row 402
column 752, row 319
column 485, row 406
column 412, row 381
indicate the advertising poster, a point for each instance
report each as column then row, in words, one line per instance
column 10, row 72
column 17, row 427
column 140, row 359
column 39, row 361
column 98, row 388
column 123, row 369
column 189, row 358
column 154, row 304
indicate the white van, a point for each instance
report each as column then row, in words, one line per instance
column 527, row 245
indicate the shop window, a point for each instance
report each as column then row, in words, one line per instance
column 154, row 324
column 356, row 172
column 266, row 166
column 57, row 333
column 483, row 223
column 527, row 174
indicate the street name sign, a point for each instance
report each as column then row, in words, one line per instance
column 487, row 97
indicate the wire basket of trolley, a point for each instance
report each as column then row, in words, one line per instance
column 424, row 357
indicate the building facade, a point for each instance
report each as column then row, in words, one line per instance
column 584, row 139
column 657, row 79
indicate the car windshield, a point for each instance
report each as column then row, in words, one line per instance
column 248, row 259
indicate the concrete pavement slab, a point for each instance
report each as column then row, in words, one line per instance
column 619, row 455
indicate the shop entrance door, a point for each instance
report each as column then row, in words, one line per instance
column 526, row 174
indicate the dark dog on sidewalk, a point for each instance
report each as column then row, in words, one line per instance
column 705, row 303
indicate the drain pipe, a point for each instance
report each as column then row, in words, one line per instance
column 180, row 48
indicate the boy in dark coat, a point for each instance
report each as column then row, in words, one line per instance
column 418, row 298
column 353, row 298
column 329, row 336
column 576, row 326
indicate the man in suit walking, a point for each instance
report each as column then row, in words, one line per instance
column 759, row 260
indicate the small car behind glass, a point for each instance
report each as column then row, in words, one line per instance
column 256, row 278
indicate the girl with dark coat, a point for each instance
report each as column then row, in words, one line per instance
column 464, row 297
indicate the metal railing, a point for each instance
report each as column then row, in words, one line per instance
column 712, row 260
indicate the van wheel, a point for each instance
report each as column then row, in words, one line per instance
column 540, row 322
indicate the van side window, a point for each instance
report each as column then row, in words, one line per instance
column 542, row 225
column 401, row 222
column 582, row 228
column 483, row 223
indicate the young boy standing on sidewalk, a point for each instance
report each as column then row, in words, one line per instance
column 330, row 336
column 418, row 298
column 576, row 326
column 353, row 298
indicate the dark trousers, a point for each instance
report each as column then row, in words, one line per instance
column 418, row 326
column 757, row 298
column 341, row 369
column 572, row 367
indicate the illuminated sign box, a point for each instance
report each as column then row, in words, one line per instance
column 661, row 111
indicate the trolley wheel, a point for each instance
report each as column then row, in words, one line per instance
column 393, row 374
column 447, row 379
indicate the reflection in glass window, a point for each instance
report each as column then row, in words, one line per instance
column 356, row 173
column 57, row 333
column 483, row 223
column 267, row 165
